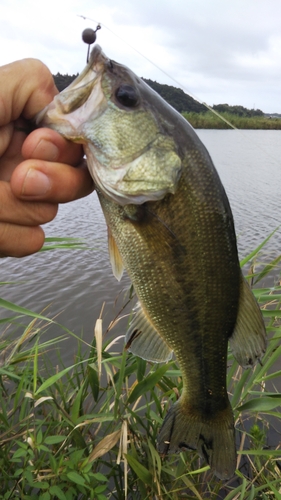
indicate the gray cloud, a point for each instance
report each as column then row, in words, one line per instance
column 219, row 50
column 231, row 49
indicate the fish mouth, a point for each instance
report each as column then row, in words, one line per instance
column 83, row 91
column 94, row 67
column 129, row 159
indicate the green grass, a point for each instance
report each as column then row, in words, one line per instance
column 213, row 120
column 88, row 431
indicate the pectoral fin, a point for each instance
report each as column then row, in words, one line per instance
column 114, row 256
column 248, row 341
column 144, row 341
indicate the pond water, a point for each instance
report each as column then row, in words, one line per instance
column 74, row 285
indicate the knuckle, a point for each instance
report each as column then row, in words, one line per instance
column 19, row 241
column 42, row 213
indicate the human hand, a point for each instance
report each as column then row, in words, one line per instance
column 36, row 171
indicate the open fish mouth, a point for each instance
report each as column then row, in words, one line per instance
column 68, row 110
column 130, row 160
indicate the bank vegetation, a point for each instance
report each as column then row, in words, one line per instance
column 88, row 431
column 226, row 120
column 198, row 115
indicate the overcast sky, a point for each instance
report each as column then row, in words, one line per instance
column 221, row 51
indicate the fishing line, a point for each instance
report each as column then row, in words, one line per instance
column 163, row 71
column 251, row 141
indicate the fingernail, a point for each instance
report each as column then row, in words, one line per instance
column 35, row 183
column 46, row 150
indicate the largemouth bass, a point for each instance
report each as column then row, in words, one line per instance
column 170, row 225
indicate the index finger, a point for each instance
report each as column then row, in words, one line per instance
column 26, row 87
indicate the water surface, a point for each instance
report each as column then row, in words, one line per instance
column 75, row 284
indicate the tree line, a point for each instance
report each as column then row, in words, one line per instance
column 177, row 98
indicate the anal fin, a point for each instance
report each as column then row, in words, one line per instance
column 144, row 341
column 248, row 341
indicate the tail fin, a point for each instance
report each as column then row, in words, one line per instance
column 214, row 439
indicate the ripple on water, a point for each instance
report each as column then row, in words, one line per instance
column 76, row 283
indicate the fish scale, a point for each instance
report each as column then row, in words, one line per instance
column 185, row 293
column 171, row 227
column 204, row 397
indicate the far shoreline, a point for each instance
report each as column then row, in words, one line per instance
column 209, row 120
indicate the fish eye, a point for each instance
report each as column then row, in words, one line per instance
column 127, row 95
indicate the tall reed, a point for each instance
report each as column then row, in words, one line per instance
column 88, row 431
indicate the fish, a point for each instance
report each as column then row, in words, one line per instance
column 171, row 227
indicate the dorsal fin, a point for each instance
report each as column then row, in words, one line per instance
column 144, row 341
column 248, row 341
column 114, row 256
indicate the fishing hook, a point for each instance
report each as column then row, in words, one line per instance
column 89, row 36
